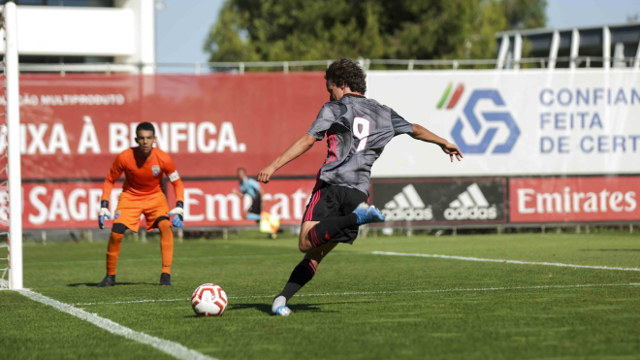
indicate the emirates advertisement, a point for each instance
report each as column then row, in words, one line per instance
column 208, row 203
column 575, row 199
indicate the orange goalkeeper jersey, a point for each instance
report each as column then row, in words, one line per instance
column 147, row 178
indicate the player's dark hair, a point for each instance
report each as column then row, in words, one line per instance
column 346, row 71
column 145, row 126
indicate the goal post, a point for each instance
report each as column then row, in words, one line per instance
column 13, row 200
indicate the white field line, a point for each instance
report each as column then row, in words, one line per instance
column 169, row 347
column 357, row 293
column 505, row 261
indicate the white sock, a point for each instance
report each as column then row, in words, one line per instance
column 277, row 302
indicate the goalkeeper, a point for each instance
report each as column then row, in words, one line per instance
column 143, row 167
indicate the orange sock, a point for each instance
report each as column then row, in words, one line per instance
column 113, row 250
column 166, row 245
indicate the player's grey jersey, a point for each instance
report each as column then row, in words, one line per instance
column 357, row 130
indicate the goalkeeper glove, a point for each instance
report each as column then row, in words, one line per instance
column 178, row 219
column 104, row 213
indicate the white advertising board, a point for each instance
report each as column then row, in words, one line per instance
column 528, row 122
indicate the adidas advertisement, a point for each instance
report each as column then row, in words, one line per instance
column 471, row 205
column 440, row 201
column 408, row 206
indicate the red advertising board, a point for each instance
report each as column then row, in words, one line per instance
column 211, row 203
column 574, row 199
column 65, row 205
column 74, row 125
column 71, row 205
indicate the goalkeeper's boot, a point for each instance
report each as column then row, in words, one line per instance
column 108, row 280
column 165, row 279
column 280, row 307
column 368, row 214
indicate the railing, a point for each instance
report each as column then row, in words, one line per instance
column 318, row 65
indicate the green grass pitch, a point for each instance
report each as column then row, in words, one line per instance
column 359, row 305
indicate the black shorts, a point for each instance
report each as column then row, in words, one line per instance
column 328, row 201
column 256, row 205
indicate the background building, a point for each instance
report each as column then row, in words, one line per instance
column 86, row 35
column 604, row 46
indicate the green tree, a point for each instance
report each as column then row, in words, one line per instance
column 277, row 30
column 525, row 14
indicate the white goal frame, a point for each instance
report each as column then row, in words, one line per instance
column 14, row 176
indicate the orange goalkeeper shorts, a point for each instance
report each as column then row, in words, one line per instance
column 130, row 207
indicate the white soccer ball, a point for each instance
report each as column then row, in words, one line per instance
column 209, row 300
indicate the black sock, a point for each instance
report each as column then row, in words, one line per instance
column 327, row 229
column 300, row 275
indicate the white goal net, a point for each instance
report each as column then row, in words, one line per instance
column 10, row 176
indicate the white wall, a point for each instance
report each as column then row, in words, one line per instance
column 126, row 32
column 75, row 31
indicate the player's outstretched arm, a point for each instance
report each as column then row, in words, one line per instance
column 177, row 214
column 421, row 133
column 296, row 149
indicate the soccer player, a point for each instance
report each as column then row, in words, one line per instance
column 252, row 188
column 357, row 130
column 143, row 167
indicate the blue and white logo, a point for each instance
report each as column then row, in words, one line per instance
column 491, row 124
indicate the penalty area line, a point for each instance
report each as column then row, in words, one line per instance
column 505, row 261
column 392, row 292
column 174, row 349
